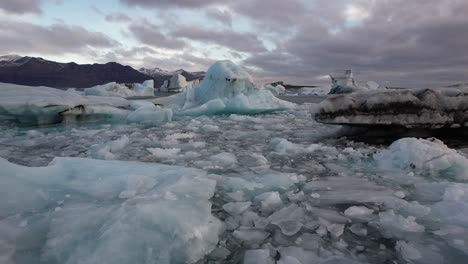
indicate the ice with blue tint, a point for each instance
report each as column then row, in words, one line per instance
column 430, row 157
column 43, row 105
column 90, row 211
column 226, row 88
column 286, row 189
column 121, row 90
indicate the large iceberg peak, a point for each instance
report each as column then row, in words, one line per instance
column 227, row 70
column 226, row 88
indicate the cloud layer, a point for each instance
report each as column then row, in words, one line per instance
column 395, row 42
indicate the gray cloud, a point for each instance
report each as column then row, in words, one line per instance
column 272, row 15
column 151, row 35
column 118, row 17
column 185, row 61
column 56, row 39
column 170, row 3
column 21, row 6
column 394, row 44
column 225, row 17
column 246, row 42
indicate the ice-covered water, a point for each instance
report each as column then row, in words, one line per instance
column 285, row 189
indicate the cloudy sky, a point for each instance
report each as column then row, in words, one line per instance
column 394, row 42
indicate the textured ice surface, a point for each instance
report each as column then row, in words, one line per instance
column 275, row 89
column 323, row 191
column 427, row 108
column 226, row 88
column 120, row 90
column 43, row 105
column 426, row 156
column 91, row 211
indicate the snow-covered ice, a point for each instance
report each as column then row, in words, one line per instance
column 423, row 108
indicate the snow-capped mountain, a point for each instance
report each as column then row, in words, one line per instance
column 35, row 71
column 157, row 72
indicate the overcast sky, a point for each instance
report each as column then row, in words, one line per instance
column 393, row 42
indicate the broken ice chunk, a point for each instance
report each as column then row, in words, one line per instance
column 394, row 225
column 289, row 227
column 358, row 229
column 258, row 256
column 236, row 208
column 269, row 201
column 250, row 236
column 359, row 213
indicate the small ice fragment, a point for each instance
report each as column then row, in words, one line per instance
column 399, row 194
column 336, row 230
column 361, row 213
column 258, row 256
column 397, row 225
column 224, row 159
column 289, row 227
column 236, row 208
column 23, row 223
column 360, row 248
column 408, row 251
column 309, row 241
column 58, row 209
column 341, row 244
column 359, row 229
column 269, row 201
column 315, row 195
column 237, row 196
column 321, row 230
column 250, row 236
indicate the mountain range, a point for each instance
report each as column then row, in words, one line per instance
column 34, row 71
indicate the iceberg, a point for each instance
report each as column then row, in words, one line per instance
column 121, row 90
column 410, row 108
column 275, row 89
column 110, row 212
column 178, row 83
column 226, row 88
column 44, row 105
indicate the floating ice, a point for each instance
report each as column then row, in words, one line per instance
column 106, row 151
column 250, row 236
column 121, row 90
column 236, row 208
column 44, row 105
column 284, row 147
column 258, row 256
column 226, row 88
column 178, row 83
column 150, row 115
column 429, row 157
column 275, row 89
column 269, row 201
column 359, row 212
column 111, row 211
column 398, row 226
column 424, row 108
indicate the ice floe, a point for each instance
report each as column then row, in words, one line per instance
column 43, row 105
column 91, row 211
column 423, row 108
column 429, row 157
